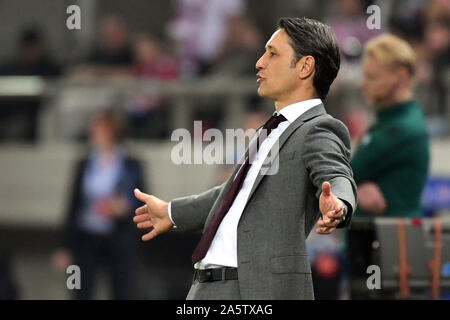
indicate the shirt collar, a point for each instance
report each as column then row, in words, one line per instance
column 295, row 110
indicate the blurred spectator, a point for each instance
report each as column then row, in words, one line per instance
column 391, row 163
column 98, row 227
column 348, row 20
column 150, row 61
column 114, row 49
column 199, row 28
column 19, row 115
column 407, row 18
column 437, row 40
column 149, row 113
column 241, row 49
column 426, row 25
column 8, row 286
column 31, row 57
column 113, row 54
column 349, row 26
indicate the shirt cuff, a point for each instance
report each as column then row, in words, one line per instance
column 345, row 209
column 170, row 214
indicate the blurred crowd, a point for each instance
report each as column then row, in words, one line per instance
column 223, row 38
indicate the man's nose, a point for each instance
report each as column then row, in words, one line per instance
column 259, row 64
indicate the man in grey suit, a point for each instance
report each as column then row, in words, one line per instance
column 255, row 225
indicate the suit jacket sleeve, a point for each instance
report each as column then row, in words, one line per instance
column 326, row 155
column 74, row 202
column 190, row 213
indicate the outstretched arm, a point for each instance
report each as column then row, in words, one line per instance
column 326, row 156
column 187, row 213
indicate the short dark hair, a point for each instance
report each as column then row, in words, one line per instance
column 311, row 37
column 111, row 121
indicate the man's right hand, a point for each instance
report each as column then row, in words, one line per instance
column 154, row 214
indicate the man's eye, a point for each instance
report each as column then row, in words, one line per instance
column 272, row 54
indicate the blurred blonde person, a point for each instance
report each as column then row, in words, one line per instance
column 391, row 163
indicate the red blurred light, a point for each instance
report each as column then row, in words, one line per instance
column 416, row 222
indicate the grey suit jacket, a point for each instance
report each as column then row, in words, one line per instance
column 282, row 208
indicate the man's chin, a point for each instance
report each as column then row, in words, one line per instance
column 262, row 93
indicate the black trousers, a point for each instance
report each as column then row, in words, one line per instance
column 215, row 290
column 99, row 253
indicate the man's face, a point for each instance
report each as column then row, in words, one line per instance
column 277, row 77
column 380, row 82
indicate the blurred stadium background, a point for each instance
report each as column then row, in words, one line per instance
column 160, row 65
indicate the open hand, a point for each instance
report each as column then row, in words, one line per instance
column 331, row 208
column 154, row 214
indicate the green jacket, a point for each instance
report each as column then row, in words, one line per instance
column 395, row 154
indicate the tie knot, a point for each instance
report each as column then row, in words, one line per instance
column 274, row 121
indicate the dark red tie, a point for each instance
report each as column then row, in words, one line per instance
column 208, row 236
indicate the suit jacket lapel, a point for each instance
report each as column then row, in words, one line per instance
column 311, row 113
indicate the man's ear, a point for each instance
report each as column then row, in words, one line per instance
column 305, row 67
column 404, row 75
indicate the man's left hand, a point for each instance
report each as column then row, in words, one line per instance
column 332, row 210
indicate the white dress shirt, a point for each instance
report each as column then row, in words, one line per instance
column 223, row 249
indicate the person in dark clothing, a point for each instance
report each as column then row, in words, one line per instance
column 8, row 285
column 112, row 56
column 31, row 59
column 98, row 227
